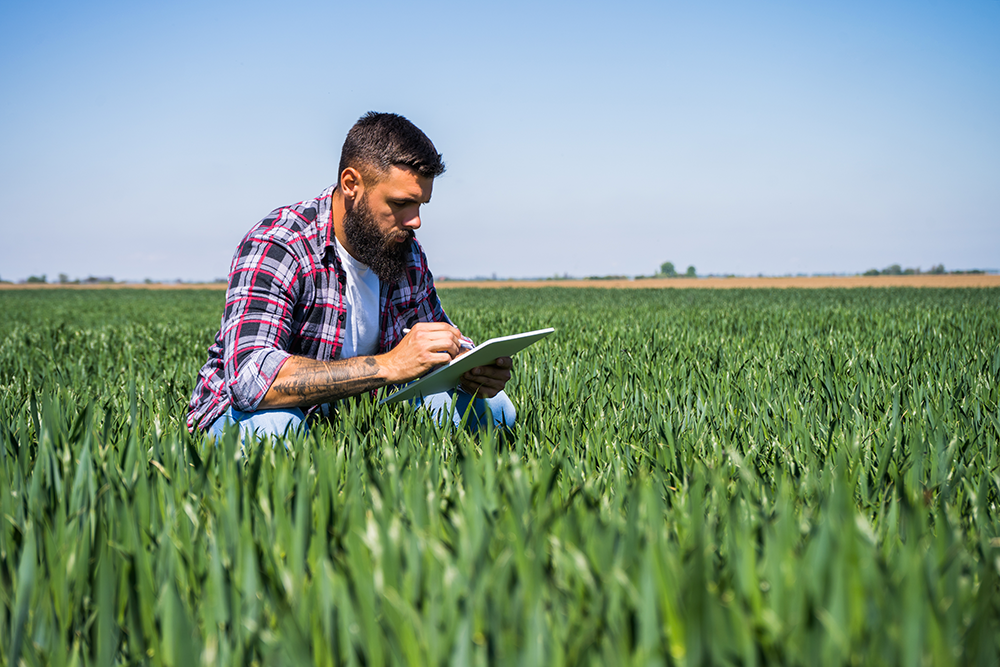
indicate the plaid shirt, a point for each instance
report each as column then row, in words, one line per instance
column 286, row 297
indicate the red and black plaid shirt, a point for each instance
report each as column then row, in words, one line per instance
column 286, row 297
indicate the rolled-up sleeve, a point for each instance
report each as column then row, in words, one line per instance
column 263, row 289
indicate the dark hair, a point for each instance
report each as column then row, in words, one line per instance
column 380, row 140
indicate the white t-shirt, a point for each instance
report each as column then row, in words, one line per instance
column 361, row 301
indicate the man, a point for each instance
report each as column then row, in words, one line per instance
column 332, row 297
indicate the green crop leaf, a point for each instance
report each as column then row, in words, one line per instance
column 696, row 476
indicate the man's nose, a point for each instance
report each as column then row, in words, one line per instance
column 412, row 222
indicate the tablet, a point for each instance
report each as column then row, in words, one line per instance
column 447, row 376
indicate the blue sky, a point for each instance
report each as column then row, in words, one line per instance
column 141, row 140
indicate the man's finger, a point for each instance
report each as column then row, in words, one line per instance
column 437, row 340
column 490, row 371
column 480, row 390
column 485, row 380
column 432, row 326
column 496, row 382
column 503, row 363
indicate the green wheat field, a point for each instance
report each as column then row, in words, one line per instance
column 733, row 477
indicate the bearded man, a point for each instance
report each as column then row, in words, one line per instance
column 331, row 298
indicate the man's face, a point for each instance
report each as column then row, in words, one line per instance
column 381, row 222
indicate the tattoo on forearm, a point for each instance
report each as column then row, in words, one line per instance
column 322, row 382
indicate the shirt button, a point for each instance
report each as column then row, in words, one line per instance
column 342, row 317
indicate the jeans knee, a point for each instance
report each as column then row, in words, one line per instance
column 458, row 405
column 274, row 422
column 504, row 413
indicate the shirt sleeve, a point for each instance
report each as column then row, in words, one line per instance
column 263, row 289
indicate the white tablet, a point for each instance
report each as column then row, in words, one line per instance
column 447, row 376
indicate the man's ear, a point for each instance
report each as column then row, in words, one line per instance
column 351, row 184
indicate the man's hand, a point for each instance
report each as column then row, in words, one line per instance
column 488, row 381
column 427, row 346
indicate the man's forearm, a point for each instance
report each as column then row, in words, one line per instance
column 303, row 382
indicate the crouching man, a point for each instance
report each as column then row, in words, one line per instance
column 332, row 297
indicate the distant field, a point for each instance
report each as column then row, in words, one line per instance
column 738, row 477
column 806, row 282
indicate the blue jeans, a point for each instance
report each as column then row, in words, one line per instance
column 278, row 421
column 453, row 404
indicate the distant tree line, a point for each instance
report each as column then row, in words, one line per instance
column 897, row 270
column 667, row 270
column 64, row 280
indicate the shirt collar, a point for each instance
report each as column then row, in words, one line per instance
column 324, row 217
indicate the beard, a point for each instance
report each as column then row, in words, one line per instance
column 385, row 254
